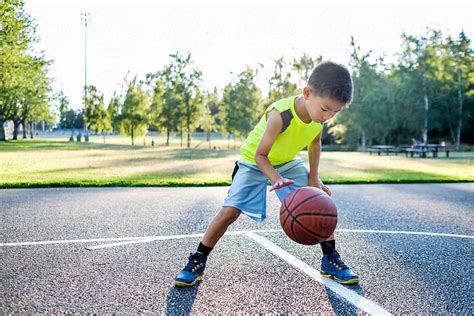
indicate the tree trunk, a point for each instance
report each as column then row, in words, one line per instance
column 2, row 130
column 167, row 136
column 16, row 125
column 189, row 138
column 23, row 122
column 32, row 129
column 425, row 125
column 71, row 138
column 363, row 141
column 459, row 128
column 208, row 138
column 181, row 135
column 131, row 133
column 188, row 124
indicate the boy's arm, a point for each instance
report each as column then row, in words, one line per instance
column 314, row 154
column 273, row 129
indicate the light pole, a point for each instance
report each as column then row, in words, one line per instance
column 85, row 18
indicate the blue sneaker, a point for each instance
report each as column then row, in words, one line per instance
column 333, row 267
column 193, row 271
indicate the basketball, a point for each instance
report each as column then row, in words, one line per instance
column 308, row 215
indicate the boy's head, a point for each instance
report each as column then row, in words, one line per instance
column 329, row 89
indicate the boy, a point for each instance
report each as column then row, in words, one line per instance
column 288, row 126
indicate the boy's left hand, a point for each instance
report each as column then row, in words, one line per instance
column 320, row 185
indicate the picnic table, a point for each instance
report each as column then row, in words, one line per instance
column 423, row 149
column 383, row 149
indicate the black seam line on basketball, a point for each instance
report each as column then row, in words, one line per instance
column 293, row 230
column 292, row 198
column 319, row 214
column 304, row 201
column 304, row 227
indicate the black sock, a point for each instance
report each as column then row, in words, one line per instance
column 204, row 249
column 328, row 246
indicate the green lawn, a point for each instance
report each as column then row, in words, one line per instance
column 56, row 162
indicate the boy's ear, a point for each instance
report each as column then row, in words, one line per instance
column 306, row 92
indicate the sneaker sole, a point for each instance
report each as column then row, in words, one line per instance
column 344, row 282
column 184, row 284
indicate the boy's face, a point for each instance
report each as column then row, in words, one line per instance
column 320, row 109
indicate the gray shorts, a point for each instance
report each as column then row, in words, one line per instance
column 248, row 191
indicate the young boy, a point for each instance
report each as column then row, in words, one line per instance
column 288, row 126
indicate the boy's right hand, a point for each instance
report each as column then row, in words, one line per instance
column 280, row 183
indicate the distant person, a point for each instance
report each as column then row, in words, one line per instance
column 415, row 142
column 269, row 152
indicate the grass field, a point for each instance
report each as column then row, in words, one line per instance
column 56, row 162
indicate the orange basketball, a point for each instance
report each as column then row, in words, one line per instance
column 308, row 215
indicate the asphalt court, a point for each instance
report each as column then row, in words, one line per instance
column 401, row 271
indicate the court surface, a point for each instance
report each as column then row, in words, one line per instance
column 106, row 250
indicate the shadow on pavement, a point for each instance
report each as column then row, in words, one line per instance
column 336, row 301
column 180, row 300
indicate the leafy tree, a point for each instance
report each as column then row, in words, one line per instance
column 416, row 60
column 242, row 104
column 133, row 119
column 305, row 65
column 210, row 116
column 96, row 116
column 186, row 81
column 113, row 110
column 280, row 83
column 18, row 93
column 460, row 60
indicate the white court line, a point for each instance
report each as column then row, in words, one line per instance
column 153, row 238
column 352, row 297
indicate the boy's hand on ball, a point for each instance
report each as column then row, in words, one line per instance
column 280, row 183
column 320, row 185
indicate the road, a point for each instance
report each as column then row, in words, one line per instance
column 117, row 250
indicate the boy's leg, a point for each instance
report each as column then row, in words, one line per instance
column 219, row 224
column 246, row 195
column 194, row 270
column 332, row 265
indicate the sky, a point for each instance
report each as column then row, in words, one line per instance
column 223, row 37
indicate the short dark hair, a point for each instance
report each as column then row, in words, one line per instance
column 331, row 80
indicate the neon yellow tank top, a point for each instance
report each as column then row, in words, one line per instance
column 292, row 140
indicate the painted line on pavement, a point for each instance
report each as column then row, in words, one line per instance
column 129, row 240
column 352, row 297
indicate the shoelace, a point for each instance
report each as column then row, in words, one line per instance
column 193, row 261
column 334, row 257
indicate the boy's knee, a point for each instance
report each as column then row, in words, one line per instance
column 229, row 214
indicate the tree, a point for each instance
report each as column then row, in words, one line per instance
column 96, row 116
column 133, row 119
column 280, row 83
column 242, row 104
column 17, row 91
column 210, row 116
column 186, row 81
column 304, row 66
column 113, row 110
column 417, row 59
column 461, row 60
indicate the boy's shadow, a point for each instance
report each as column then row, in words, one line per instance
column 180, row 300
column 339, row 305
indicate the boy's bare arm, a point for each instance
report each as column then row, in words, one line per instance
column 314, row 154
column 273, row 129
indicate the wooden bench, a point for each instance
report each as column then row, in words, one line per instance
column 383, row 149
column 412, row 151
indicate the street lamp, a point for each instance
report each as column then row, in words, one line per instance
column 85, row 19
